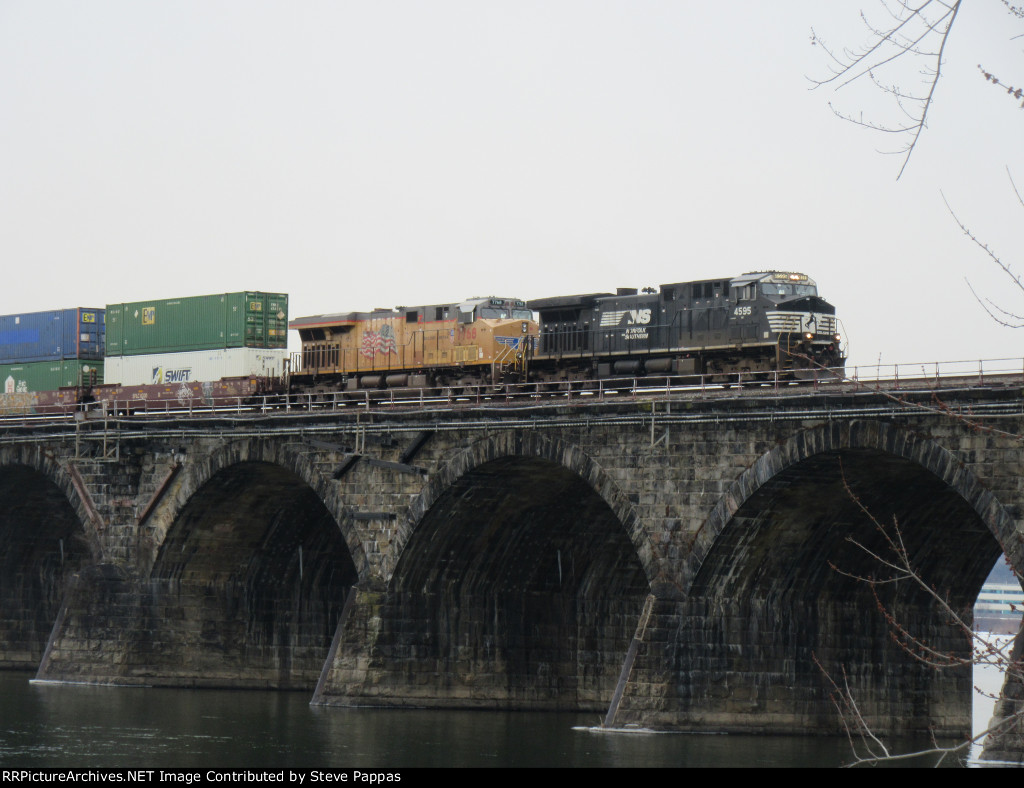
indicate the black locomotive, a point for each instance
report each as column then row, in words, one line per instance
column 756, row 325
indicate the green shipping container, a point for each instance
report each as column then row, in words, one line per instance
column 212, row 322
column 49, row 375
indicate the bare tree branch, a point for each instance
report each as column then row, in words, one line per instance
column 866, row 746
column 1014, row 185
column 1016, row 10
column 1017, row 93
column 914, row 33
column 1001, row 315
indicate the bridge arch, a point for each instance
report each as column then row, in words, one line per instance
column 885, row 438
column 199, row 468
column 249, row 577
column 47, row 537
column 777, row 578
column 560, row 454
column 522, row 575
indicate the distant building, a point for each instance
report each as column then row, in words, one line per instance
column 999, row 608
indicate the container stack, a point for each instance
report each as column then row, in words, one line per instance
column 45, row 351
column 197, row 338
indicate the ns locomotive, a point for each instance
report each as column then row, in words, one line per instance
column 753, row 326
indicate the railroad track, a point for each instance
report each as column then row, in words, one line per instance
column 769, row 396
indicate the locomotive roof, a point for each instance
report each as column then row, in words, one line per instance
column 351, row 318
column 585, row 300
column 778, row 276
column 561, row 302
column 319, row 321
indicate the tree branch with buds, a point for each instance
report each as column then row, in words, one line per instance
column 914, row 33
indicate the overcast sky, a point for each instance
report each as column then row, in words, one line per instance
column 376, row 153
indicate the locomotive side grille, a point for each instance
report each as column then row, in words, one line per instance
column 785, row 322
column 799, row 322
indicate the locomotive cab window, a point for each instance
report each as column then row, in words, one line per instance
column 773, row 289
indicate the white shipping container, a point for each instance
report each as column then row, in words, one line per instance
column 194, row 366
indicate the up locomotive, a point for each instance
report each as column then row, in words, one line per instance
column 754, row 325
column 479, row 341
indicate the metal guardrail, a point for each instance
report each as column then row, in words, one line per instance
column 975, row 369
column 932, row 375
column 311, row 425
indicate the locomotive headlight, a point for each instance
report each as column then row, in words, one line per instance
column 526, row 327
column 838, row 337
column 808, row 335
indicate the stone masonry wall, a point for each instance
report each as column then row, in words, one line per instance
column 674, row 488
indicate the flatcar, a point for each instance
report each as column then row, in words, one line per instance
column 118, row 399
column 478, row 341
column 756, row 325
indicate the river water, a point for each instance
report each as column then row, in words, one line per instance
column 50, row 725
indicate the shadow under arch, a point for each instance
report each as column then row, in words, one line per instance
column 44, row 545
column 519, row 587
column 247, row 586
column 559, row 454
column 292, row 460
column 776, row 582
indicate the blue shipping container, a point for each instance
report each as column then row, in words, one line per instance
column 44, row 336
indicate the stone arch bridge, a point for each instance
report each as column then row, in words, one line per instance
column 688, row 564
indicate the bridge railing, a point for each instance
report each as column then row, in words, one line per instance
column 889, row 377
column 904, row 376
column 972, row 371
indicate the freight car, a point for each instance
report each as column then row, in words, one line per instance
column 165, row 353
column 479, row 341
column 119, row 399
column 752, row 327
column 43, row 352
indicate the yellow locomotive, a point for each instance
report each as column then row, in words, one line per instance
column 479, row 341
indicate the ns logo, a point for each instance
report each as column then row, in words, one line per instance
column 637, row 317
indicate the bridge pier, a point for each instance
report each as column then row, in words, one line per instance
column 242, row 590
column 517, row 590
